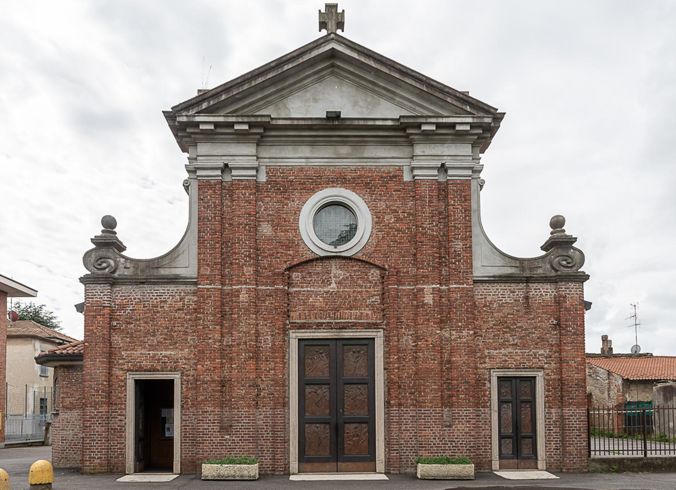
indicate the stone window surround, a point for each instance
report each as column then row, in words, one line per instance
column 335, row 195
column 130, row 418
column 294, row 337
column 538, row 374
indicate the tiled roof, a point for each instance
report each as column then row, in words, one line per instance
column 71, row 352
column 648, row 367
column 76, row 347
column 29, row 328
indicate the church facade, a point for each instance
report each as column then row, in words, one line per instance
column 334, row 304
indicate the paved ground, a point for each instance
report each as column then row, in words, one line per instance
column 17, row 461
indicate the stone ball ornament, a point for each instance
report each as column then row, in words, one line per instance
column 109, row 222
column 556, row 223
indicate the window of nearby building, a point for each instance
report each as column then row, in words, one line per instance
column 43, row 407
column 44, row 371
column 335, row 222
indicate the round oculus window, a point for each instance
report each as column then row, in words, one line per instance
column 335, row 222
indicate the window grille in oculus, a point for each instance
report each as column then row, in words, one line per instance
column 335, row 224
column 335, row 221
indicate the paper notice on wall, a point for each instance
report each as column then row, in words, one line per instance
column 167, row 422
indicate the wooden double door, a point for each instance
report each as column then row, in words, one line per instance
column 336, row 405
column 516, row 422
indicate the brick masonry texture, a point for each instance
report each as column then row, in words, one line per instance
column 228, row 334
column 66, row 429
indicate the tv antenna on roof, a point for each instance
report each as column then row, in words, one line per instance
column 635, row 349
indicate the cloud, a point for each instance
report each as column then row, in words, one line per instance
column 589, row 89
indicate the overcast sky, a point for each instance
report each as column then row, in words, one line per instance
column 589, row 88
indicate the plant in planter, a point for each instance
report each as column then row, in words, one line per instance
column 445, row 468
column 231, row 468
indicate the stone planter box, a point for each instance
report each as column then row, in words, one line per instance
column 229, row 471
column 445, row 471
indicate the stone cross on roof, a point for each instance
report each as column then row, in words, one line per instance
column 331, row 20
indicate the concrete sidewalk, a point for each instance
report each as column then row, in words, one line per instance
column 17, row 461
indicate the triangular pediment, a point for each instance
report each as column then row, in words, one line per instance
column 334, row 74
column 332, row 92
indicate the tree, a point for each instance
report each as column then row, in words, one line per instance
column 38, row 313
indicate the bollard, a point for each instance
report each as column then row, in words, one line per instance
column 41, row 475
column 4, row 480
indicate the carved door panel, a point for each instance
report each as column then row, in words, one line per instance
column 336, row 405
column 517, row 428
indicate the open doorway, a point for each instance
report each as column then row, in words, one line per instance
column 154, row 434
column 153, row 422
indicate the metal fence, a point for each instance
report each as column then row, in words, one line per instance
column 25, row 427
column 632, row 431
column 28, row 412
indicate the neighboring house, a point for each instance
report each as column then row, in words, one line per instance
column 335, row 304
column 625, row 380
column 30, row 385
column 9, row 288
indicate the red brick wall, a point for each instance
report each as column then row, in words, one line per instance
column 540, row 325
column 66, row 432
column 229, row 335
column 153, row 329
column 3, row 362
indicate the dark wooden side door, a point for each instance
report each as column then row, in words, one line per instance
column 517, row 428
column 336, row 405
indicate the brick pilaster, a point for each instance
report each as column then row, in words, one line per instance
column 96, row 379
column 462, row 356
column 208, row 373
column 244, row 328
column 573, row 378
column 428, row 342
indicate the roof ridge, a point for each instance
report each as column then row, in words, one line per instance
column 38, row 328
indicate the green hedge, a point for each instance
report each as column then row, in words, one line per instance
column 443, row 460
column 233, row 460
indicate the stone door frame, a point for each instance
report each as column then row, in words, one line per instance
column 377, row 336
column 130, row 416
column 539, row 376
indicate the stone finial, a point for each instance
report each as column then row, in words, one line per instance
column 105, row 256
column 331, row 20
column 561, row 254
column 109, row 224
column 557, row 237
column 557, row 223
column 108, row 237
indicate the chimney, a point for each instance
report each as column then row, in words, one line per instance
column 606, row 346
